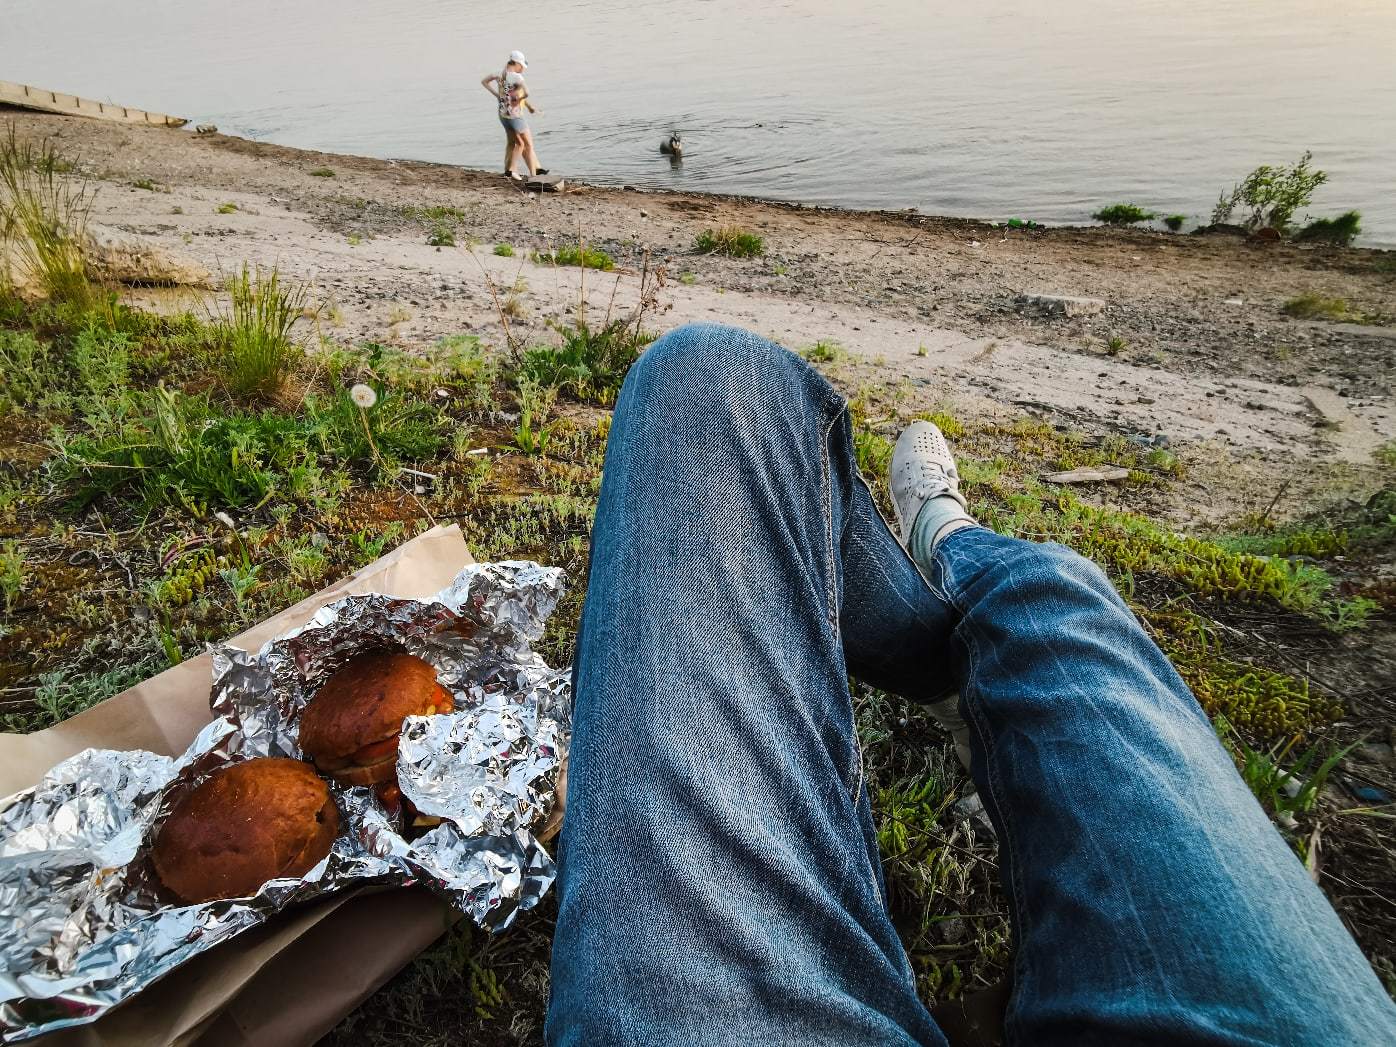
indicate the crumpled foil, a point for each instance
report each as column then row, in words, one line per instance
column 85, row 926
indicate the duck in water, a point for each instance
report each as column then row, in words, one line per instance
column 673, row 147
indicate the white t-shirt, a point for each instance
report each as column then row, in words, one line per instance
column 511, row 92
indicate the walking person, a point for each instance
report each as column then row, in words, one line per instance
column 719, row 881
column 512, row 93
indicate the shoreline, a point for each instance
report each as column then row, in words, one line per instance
column 1191, row 348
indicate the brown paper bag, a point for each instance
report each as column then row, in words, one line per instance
column 290, row 980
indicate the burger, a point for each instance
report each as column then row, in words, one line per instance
column 243, row 825
column 350, row 728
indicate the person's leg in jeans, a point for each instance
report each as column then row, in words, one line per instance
column 719, row 876
column 1152, row 900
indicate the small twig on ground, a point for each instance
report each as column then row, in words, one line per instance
column 1265, row 516
column 582, row 303
column 612, row 303
column 514, row 348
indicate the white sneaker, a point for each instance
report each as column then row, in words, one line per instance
column 922, row 468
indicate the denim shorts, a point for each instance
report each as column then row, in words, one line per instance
column 517, row 124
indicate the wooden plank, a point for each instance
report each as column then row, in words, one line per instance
column 29, row 97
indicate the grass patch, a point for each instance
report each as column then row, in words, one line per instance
column 824, row 353
column 580, row 256
column 504, row 250
column 1281, row 789
column 435, row 213
column 1313, row 306
column 187, row 451
column 1123, row 214
column 322, row 172
column 591, row 363
column 1338, row 232
column 441, row 235
column 1175, row 222
column 253, row 336
column 43, row 219
column 731, row 240
column 228, row 208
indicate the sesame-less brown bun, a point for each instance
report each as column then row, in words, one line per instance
column 243, row 825
column 350, row 728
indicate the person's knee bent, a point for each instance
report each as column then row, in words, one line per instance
column 1049, row 567
column 713, row 366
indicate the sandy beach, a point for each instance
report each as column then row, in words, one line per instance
column 1191, row 345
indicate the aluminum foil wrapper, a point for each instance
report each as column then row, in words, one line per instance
column 85, row 926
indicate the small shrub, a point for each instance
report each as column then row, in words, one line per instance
column 1340, row 231
column 731, row 240
column 688, row 279
column 583, row 257
column 504, row 250
column 1309, row 306
column 226, row 208
column 1115, row 346
column 255, row 333
column 1175, row 221
column 148, row 184
column 1271, row 194
column 1122, row 214
column 322, row 172
column 441, row 235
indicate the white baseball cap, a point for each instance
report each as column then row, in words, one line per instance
column 518, row 56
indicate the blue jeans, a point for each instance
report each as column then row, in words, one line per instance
column 720, row 880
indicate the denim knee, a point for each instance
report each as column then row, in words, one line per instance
column 718, row 369
column 1046, row 568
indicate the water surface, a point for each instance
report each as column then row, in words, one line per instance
column 997, row 109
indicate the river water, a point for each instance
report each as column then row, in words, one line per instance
column 1038, row 109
